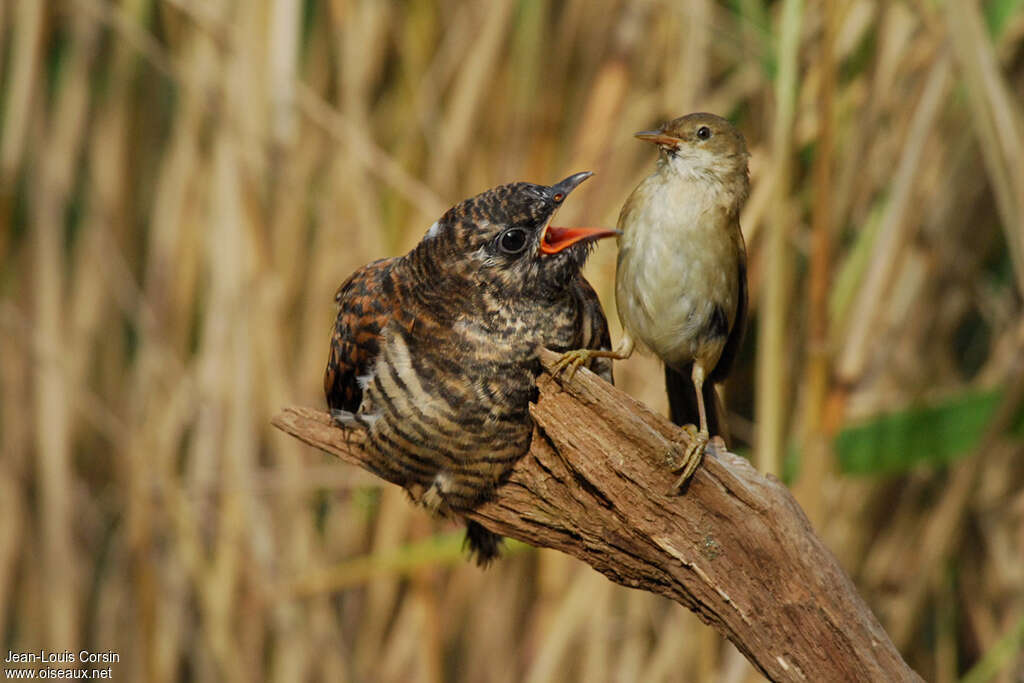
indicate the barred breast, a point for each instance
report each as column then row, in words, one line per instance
column 447, row 422
column 447, row 403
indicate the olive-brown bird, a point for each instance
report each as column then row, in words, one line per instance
column 681, row 280
column 435, row 354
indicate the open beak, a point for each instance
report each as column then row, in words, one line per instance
column 657, row 137
column 557, row 239
column 564, row 187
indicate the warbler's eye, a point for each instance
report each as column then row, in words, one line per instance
column 512, row 241
column 703, row 132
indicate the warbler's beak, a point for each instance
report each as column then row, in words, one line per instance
column 556, row 239
column 657, row 137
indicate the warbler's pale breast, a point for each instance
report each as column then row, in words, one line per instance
column 677, row 269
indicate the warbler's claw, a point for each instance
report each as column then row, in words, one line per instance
column 691, row 457
column 571, row 360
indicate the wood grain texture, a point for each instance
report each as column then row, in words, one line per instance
column 734, row 547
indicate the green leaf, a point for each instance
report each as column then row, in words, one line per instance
column 999, row 657
column 998, row 14
column 934, row 435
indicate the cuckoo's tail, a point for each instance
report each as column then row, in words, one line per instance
column 484, row 545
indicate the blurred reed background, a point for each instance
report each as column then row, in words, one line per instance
column 184, row 183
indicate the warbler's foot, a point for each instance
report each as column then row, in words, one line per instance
column 571, row 360
column 577, row 357
column 687, row 463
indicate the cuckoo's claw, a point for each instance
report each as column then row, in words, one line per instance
column 689, row 461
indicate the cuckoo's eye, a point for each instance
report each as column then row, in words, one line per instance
column 559, row 197
column 512, row 241
column 703, row 132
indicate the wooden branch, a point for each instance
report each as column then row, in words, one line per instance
column 734, row 547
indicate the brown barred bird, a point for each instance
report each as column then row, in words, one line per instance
column 435, row 353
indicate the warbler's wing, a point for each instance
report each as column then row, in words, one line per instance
column 739, row 326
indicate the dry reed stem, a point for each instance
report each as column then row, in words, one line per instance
column 27, row 34
column 997, row 118
column 893, row 237
column 817, row 465
column 133, row 134
column 773, row 313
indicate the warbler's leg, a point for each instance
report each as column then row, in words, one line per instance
column 687, row 465
column 577, row 357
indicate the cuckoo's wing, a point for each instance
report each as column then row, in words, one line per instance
column 594, row 330
column 365, row 304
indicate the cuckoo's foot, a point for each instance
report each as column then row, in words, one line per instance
column 433, row 497
column 687, row 464
column 346, row 419
column 572, row 360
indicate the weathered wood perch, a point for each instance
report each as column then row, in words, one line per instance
column 735, row 547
